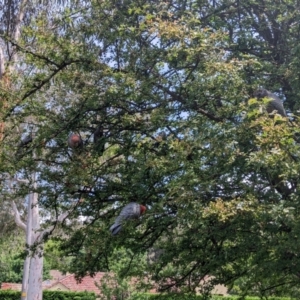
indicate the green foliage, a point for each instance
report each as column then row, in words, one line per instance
column 50, row 295
column 112, row 286
column 198, row 297
column 59, row 295
column 53, row 256
column 12, row 258
column 118, row 282
column 10, row 295
column 221, row 187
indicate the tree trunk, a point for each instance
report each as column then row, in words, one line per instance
column 28, row 242
column 36, row 258
column 35, row 291
column 33, row 265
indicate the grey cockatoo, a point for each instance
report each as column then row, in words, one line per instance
column 23, row 144
column 26, row 140
column 98, row 134
column 75, row 141
column 99, row 139
column 275, row 103
column 132, row 210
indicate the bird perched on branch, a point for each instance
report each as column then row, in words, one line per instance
column 23, row 145
column 98, row 134
column 132, row 210
column 25, row 141
column 275, row 103
column 75, row 141
column 99, row 139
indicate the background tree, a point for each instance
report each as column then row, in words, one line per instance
column 14, row 16
column 12, row 258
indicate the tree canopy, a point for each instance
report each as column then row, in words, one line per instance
column 161, row 94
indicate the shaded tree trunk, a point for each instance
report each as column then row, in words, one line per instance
column 33, row 265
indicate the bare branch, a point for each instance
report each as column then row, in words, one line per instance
column 18, row 220
column 40, row 56
column 19, row 180
column 45, row 233
column 38, row 85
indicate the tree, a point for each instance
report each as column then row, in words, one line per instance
column 12, row 258
column 220, row 187
column 11, row 261
column 14, row 15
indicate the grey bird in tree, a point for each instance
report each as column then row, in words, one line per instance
column 74, row 141
column 25, row 141
column 275, row 103
column 99, row 139
column 23, row 144
column 98, row 134
column 132, row 210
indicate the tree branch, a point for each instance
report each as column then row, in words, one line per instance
column 38, row 85
column 193, row 105
column 18, row 220
column 45, row 233
column 40, row 56
column 2, row 63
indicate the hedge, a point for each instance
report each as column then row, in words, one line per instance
column 196, row 297
column 50, row 295
column 59, row 295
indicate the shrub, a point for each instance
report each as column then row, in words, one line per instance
column 50, row 295
column 59, row 295
column 10, row 295
column 196, row 297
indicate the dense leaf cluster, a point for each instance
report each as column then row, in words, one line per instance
column 159, row 94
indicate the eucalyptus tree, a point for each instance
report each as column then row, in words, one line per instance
column 16, row 136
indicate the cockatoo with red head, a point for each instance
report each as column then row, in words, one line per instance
column 132, row 210
column 75, row 141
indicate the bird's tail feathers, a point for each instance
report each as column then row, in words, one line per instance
column 115, row 228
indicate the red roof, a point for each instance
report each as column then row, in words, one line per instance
column 55, row 277
column 87, row 283
column 11, row 286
